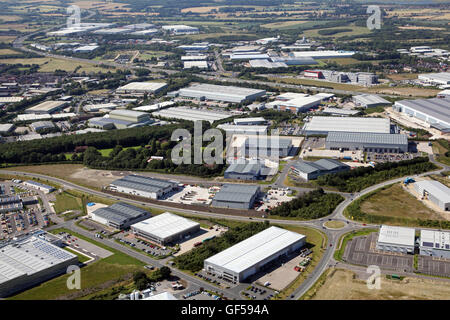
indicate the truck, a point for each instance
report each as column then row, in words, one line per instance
column 197, row 244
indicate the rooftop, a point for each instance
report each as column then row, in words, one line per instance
column 346, row 124
column 365, row 137
column 120, row 212
column 143, row 183
column 437, row 189
column 143, row 86
column 236, row 193
column 319, row 165
column 165, row 225
column 368, row 99
column 397, row 235
column 435, row 239
column 436, row 107
column 255, row 249
column 186, row 113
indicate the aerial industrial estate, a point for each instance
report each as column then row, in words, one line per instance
column 204, row 150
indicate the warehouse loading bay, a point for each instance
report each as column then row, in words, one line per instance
column 361, row 251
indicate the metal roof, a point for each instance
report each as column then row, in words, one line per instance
column 143, row 86
column 349, row 124
column 367, row 99
column 339, row 111
column 319, row 165
column 435, row 239
column 120, row 212
column 143, row 183
column 244, row 168
column 165, row 225
column 438, row 108
column 37, row 184
column 128, row 113
column 29, row 256
column 435, row 188
column 236, row 193
column 255, row 249
column 397, row 235
column 190, row 114
column 212, row 90
column 47, row 106
column 245, row 120
column 366, row 137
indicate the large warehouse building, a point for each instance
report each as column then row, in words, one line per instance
column 165, row 228
column 221, row 93
column 323, row 125
column 313, row 170
column 434, row 191
column 236, row 196
column 47, row 107
column 186, row 113
column 435, row 243
column 442, row 78
column 370, row 101
column 143, row 186
column 368, row 142
column 396, row 239
column 433, row 111
column 141, row 88
column 250, row 256
column 120, row 215
column 250, row 170
column 29, row 261
column 261, row 146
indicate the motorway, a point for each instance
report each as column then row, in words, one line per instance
column 332, row 234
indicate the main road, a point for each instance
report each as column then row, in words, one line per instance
column 332, row 235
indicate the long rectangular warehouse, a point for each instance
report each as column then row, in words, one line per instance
column 29, row 261
column 435, row 191
column 236, row 196
column 165, row 228
column 396, row 239
column 368, row 142
column 143, row 186
column 190, row 114
column 232, row 94
column 120, row 215
column 246, row 258
column 433, row 111
column 323, row 125
column 435, row 243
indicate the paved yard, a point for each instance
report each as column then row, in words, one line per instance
column 199, row 237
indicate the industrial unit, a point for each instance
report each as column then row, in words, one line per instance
column 185, row 113
column 442, row 78
column 10, row 204
column 143, row 186
column 40, row 186
column 435, row 243
column 313, row 170
column 165, row 228
column 323, row 125
column 236, row 196
column 250, row 121
column 120, row 215
column 180, row 29
column 195, row 64
column 42, row 126
column 47, row 107
column 6, row 128
column 28, row 261
column 261, row 146
column 239, row 129
column 370, row 101
column 339, row 112
column 434, row 191
column 221, row 93
column 368, row 142
column 245, row 171
column 433, row 111
column 121, row 119
column 250, row 256
column 295, row 102
column 141, row 88
column 396, row 239
column 324, row 54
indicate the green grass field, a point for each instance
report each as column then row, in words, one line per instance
column 66, row 202
column 94, row 277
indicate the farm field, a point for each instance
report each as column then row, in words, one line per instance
column 341, row 284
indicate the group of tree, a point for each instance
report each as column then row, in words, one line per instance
column 311, row 205
column 142, row 280
column 363, row 177
column 193, row 260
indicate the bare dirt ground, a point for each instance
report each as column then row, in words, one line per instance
column 344, row 285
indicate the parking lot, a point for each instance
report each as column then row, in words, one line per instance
column 85, row 247
column 197, row 238
column 433, row 266
column 282, row 272
column 192, row 195
column 128, row 238
column 257, row 292
column 390, row 157
column 360, row 251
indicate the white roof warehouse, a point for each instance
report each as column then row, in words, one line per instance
column 165, row 228
column 221, row 93
column 323, row 125
column 436, row 110
column 396, row 239
column 249, row 256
